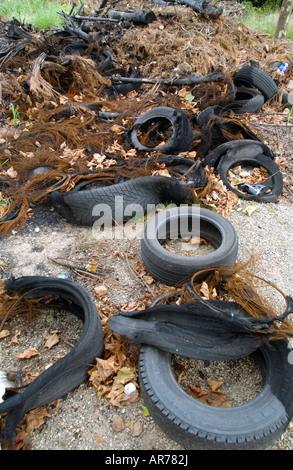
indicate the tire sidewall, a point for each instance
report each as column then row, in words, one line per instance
column 173, row 268
column 254, row 425
column 181, row 135
column 258, row 161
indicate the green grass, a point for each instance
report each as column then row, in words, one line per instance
column 39, row 13
column 264, row 19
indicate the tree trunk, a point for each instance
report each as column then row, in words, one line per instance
column 286, row 10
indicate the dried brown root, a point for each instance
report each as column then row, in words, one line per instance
column 239, row 283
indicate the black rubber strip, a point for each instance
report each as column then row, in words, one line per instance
column 68, row 372
column 191, row 330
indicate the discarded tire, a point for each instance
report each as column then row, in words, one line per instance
column 254, row 425
column 117, row 202
column 237, row 148
column 254, row 77
column 184, row 221
column 191, row 330
column 247, row 100
column 215, row 127
column 68, row 372
column 268, row 191
column 185, row 170
column 157, row 121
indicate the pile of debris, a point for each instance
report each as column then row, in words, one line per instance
column 73, row 99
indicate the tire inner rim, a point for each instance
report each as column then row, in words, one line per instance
column 235, row 382
column 155, row 132
column 189, row 226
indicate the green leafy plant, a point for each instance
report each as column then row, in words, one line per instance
column 289, row 115
column 39, row 13
column 15, row 114
column 264, row 18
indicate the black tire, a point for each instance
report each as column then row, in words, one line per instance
column 239, row 147
column 121, row 88
column 82, row 207
column 79, row 48
column 72, row 369
column 181, row 137
column 172, row 268
column 216, row 126
column 247, row 100
column 254, row 425
column 191, row 330
column 185, row 170
column 254, row 77
column 273, row 185
column 210, row 113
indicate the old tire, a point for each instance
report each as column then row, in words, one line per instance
column 237, row 148
column 68, row 372
column 254, row 425
column 172, row 268
column 275, row 176
column 163, row 118
column 247, row 100
column 254, row 77
column 85, row 207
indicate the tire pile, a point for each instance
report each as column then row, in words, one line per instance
column 215, row 330
column 210, row 331
column 77, row 206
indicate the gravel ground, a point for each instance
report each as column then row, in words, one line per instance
column 81, row 421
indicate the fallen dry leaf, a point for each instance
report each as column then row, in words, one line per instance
column 136, row 427
column 14, row 339
column 204, row 289
column 214, row 384
column 197, row 392
column 148, row 279
column 11, row 172
column 100, row 291
column 125, row 375
column 34, row 419
column 52, row 341
column 118, row 423
column 197, row 240
column 106, row 367
column 4, row 334
column 213, row 397
column 27, row 354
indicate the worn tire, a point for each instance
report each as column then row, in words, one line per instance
column 82, row 207
column 228, row 162
column 247, row 100
column 254, row 425
column 68, row 372
column 237, row 148
column 254, row 77
column 172, row 268
column 181, row 137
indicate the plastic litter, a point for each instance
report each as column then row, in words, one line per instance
column 129, row 388
column 253, row 188
column 4, row 384
column 283, row 67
